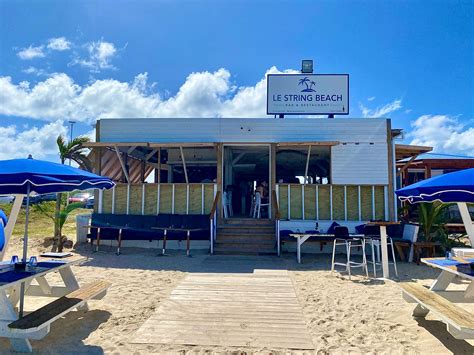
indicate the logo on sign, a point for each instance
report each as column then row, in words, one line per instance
column 308, row 83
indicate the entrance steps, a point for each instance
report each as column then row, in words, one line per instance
column 245, row 237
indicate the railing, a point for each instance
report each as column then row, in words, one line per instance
column 213, row 219
column 153, row 199
column 277, row 220
column 332, row 202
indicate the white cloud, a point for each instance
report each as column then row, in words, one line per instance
column 372, row 98
column 203, row 94
column 39, row 142
column 31, row 53
column 35, row 71
column 381, row 111
column 59, row 44
column 443, row 133
column 99, row 56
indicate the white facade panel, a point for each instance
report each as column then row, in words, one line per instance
column 361, row 163
column 243, row 130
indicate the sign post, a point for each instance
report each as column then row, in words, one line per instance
column 308, row 94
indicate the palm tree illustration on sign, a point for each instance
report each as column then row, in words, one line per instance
column 305, row 81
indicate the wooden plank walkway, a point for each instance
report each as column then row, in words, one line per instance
column 250, row 310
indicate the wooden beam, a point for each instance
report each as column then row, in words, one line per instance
column 177, row 145
column 124, row 169
column 307, row 165
column 328, row 143
column 153, row 152
column 184, row 164
column 406, row 165
column 115, row 144
column 131, row 149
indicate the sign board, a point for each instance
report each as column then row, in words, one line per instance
column 308, row 94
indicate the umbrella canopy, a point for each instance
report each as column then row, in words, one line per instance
column 451, row 187
column 26, row 176
column 23, row 176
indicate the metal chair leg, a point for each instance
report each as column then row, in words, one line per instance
column 333, row 256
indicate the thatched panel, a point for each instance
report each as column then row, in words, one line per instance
column 324, row 202
column 195, row 198
column 180, row 198
column 310, row 201
column 379, row 203
column 208, row 197
column 151, row 198
column 366, row 202
column 296, row 211
column 352, row 198
column 283, row 201
column 121, row 199
column 165, row 198
column 338, row 202
column 106, row 201
column 135, row 199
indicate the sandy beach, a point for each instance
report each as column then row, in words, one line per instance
column 357, row 316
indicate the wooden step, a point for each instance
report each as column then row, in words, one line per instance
column 247, row 221
column 243, row 251
column 256, row 228
column 246, row 238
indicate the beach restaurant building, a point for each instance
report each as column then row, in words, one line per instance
column 316, row 170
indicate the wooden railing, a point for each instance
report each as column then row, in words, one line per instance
column 153, row 199
column 215, row 203
column 332, row 202
column 275, row 204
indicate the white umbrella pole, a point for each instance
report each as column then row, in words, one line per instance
column 468, row 223
column 25, row 249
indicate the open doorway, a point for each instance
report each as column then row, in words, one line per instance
column 246, row 170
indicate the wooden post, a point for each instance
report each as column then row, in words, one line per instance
column 273, row 148
column 307, row 165
column 427, row 171
column 219, row 176
column 391, row 189
column 158, row 178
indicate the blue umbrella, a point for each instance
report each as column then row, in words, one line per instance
column 27, row 176
column 451, row 187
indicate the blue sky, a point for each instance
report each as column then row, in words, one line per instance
column 407, row 60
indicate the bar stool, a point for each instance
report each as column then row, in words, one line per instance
column 342, row 238
column 376, row 251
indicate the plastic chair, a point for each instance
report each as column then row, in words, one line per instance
column 258, row 205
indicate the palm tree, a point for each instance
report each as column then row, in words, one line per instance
column 75, row 151
column 304, row 81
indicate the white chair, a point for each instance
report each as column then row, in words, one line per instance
column 342, row 238
column 258, row 205
column 227, row 204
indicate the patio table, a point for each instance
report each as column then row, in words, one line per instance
column 301, row 238
column 11, row 280
column 177, row 229
column 450, row 268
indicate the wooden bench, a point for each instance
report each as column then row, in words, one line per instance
column 44, row 316
column 460, row 322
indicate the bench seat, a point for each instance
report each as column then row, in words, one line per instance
column 460, row 322
column 44, row 316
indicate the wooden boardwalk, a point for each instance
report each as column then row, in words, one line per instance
column 242, row 310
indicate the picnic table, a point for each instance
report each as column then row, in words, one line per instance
column 441, row 302
column 301, row 238
column 36, row 325
column 177, row 229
